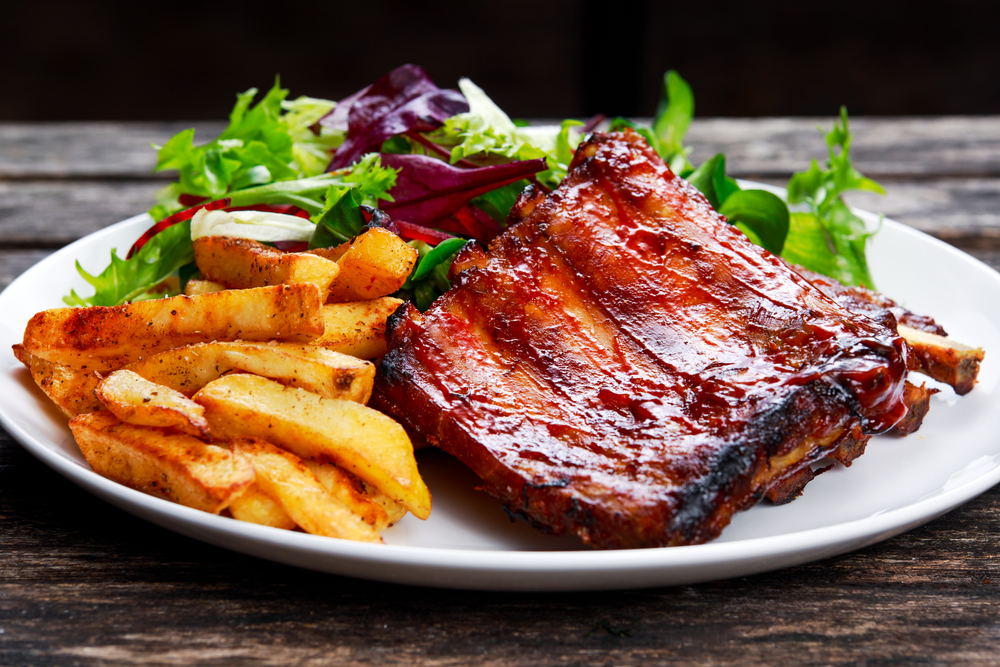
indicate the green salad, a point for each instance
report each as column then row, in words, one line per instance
column 440, row 167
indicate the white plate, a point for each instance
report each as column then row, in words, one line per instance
column 469, row 542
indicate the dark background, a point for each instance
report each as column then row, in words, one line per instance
column 184, row 60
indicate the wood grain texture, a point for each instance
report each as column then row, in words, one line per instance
column 83, row 583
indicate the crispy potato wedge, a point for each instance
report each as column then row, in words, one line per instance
column 350, row 490
column 285, row 478
column 136, row 400
column 357, row 495
column 333, row 254
column 241, row 263
column 314, row 368
column 196, row 287
column 161, row 462
column 375, row 264
column 255, row 506
column 360, row 440
column 71, row 389
column 102, row 338
column 357, row 328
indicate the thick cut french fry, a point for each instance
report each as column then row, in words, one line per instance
column 255, row 506
column 376, row 263
column 136, row 400
column 71, row 389
column 196, row 287
column 161, row 462
column 357, row 328
column 363, row 441
column 242, row 263
column 350, row 490
column 316, row 369
column 333, row 254
column 108, row 338
column 284, row 477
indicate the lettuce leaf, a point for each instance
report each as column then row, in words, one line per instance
column 132, row 279
column 486, row 135
column 269, row 142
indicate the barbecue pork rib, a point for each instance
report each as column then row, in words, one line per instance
column 624, row 365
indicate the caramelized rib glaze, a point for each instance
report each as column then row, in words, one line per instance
column 624, row 365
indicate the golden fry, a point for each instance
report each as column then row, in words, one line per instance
column 255, row 506
column 283, row 477
column 71, row 389
column 316, row 369
column 135, row 400
column 102, row 338
column 363, row 441
column 241, row 263
column 196, row 287
column 357, row 328
column 376, row 263
column 161, row 462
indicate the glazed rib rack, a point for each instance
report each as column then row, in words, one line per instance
column 624, row 365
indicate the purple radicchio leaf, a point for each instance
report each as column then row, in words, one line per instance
column 337, row 119
column 404, row 99
column 428, row 190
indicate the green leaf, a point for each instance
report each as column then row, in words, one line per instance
column 805, row 184
column 130, row 279
column 761, row 212
column 673, row 115
column 372, row 178
column 811, row 245
column 341, row 218
column 711, row 180
column 830, row 239
column 498, row 202
column 441, row 252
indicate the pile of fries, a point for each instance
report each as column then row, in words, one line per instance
column 247, row 394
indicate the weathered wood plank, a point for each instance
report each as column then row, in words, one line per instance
column 88, row 150
column 85, row 583
column 53, row 213
column 883, row 147
column 15, row 262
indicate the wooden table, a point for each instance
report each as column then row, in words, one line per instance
column 84, row 583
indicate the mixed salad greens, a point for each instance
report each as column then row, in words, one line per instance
column 439, row 167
